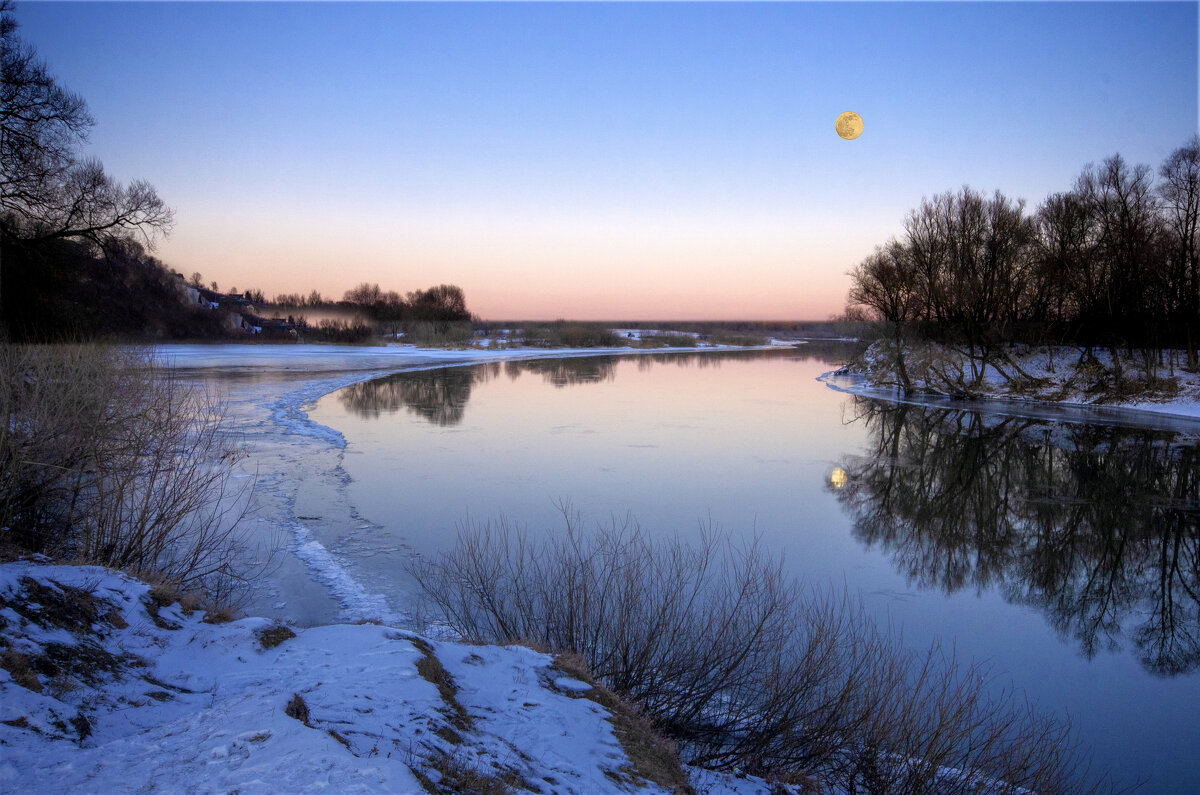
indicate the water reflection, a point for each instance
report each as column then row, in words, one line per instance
column 1096, row 526
column 441, row 395
column 566, row 372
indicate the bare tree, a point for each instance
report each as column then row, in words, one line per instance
column 1122, row 202
column 886, row 282
column 365, row 294
column 48, row 190
column 1064, row 281
column 41, row 123
column 1180, row 193
column 445, row 303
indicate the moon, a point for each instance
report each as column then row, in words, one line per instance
column 849, row 125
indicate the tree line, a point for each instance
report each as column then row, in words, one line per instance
column 1113, row 262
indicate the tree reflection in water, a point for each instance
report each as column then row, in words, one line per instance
column 1098, row 526
column 440, row 395
column 567, row 372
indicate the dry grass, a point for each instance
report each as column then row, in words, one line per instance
column 744, row 669
column 666, row 340
column 297, row 708
column 108, row 458
column 274, row 635
column 431, row 670
column 455, row 776
column 739, row 338
column 652, row 757
column 20, row 669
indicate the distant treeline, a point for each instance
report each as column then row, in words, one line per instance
column 1114, row 262
column 443, row 303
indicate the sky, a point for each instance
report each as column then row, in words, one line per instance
column 601, row 160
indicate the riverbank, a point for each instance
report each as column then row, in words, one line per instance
column 1122, row 388
column 108, row 685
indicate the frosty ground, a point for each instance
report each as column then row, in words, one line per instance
column 107, row 688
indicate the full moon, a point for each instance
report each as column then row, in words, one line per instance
column 849, row 125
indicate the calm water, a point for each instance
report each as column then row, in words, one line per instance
column 1065, row 553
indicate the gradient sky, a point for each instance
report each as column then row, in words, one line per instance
column 624, row 160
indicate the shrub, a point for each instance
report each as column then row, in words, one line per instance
column 667, row 341
column 339, row 330
column 738, row 338
column 743, row 668
column 437, row 335
column 108, row 458
column 563, row 334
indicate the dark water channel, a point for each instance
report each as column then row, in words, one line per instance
column 1066, row 553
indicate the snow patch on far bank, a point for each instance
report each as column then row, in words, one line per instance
column 1059, row 386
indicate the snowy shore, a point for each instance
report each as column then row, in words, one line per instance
column 1054, row 381
column 108, row 688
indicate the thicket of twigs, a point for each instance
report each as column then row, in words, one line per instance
column 107, row 458
column 746, row 669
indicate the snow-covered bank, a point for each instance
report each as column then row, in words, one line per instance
column 1036, row 381
column 105, row 688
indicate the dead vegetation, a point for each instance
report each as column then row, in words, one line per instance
column 456, row 776
column 745, row 670
column 108, row 458
column 65, row 664
column 274, row 635
column 652, row 757
column 431, row 670
column 297, row 708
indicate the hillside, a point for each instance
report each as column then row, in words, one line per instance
column 61, row 291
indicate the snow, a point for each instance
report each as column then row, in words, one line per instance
column 1059, row 387
column 187, row 706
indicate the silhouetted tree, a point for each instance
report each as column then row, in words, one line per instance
column 1122, row 203
column 1114, row 261
column 1180, row 192
column 364, row 294
column 48, row 189
column 445, row 302
column 886, row 282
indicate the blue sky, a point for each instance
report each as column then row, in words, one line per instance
column 613, row 160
